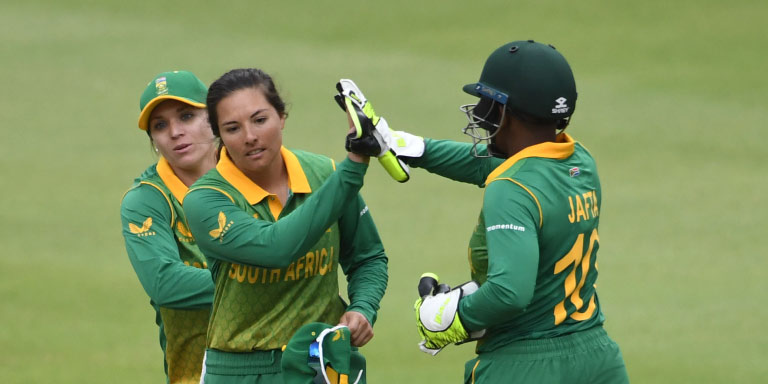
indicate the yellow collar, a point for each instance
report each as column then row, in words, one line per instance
column 177, row 187
column 560, row 149
column 252, row 191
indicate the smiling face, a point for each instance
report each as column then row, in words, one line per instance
column 181, row 134
column 252, row 130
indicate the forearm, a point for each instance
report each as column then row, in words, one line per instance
column 247, row 240
column 362, row 259
column 366, row 287
column 183, row 287
column 455, row 161
column 171, row 283
column 154, row 254
column 493, row 303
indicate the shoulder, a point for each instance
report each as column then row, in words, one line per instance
column 146, row 201
column 315, row 165
column 210, row 178
column 580, row 151
column 210, row 184
column 147, row 186
column 149, row 174
column 313, row 160
column 146, row 189
column 511, row 194
column 506, row 189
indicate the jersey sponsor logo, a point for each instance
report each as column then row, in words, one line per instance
column 185, row 234
column 364, row 211
column 561, row 106
column 575, row 171
column 224, row 226
column 313, row 263
column 512, row 227
column 583, row 206
column 161, row 86
column 142, row 231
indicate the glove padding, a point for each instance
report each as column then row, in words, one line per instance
column 373, row 137
column 438, row 322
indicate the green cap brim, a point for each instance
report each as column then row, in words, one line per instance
column 144, row 115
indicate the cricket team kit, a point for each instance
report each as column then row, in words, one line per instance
column 547, row 235
column 261, row 301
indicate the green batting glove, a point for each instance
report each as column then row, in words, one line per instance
column 373, row 137
column 438, row 321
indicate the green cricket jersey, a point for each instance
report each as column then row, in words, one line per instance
column 534, row 249
column 275, row 267
column 170, row 267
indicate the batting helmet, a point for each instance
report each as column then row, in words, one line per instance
column 530, row 78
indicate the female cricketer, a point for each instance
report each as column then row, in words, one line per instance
column 532, row 304
column 163, row 252
column 275, row 225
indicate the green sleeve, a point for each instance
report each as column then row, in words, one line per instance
column 362, row 259
column 155, row 256
column 513, row 257
column 455, row 161
column 247, row 240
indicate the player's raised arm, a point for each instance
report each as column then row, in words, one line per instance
column 226, row 231
column 397, row 150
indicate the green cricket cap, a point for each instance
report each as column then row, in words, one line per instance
column 183, row 86
column 336, row 357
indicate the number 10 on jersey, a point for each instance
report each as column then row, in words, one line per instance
column 573, row 290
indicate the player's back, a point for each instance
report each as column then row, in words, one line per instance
column 565, row 188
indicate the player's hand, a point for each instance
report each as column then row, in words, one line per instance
column 354, row 156
column 360, row 329
column 372, row 135
column 437, row 317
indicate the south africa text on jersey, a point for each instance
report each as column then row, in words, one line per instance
column 319, row 262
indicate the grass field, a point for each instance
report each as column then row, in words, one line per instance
column 671, row 103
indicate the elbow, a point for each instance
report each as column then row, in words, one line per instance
column 277, row 258
column 512, row 299
column 163, row 287
column 161, row 294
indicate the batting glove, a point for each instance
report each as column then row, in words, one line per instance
column 373, row 137
column 438, row 321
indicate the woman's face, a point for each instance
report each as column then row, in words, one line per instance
column 181, row 133
column 251, row 129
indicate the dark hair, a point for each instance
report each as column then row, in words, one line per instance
column 236, row 80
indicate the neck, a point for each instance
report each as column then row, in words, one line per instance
column 522, row 137
column 189, row 176
column 273, row 179
column 525, row 142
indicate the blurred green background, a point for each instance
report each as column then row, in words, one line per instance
column 671, row 103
